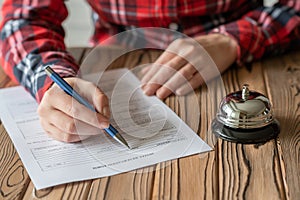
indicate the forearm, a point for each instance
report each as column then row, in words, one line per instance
column 265, row 31
column 31, row 38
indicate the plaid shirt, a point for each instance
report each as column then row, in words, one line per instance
column 32, row 36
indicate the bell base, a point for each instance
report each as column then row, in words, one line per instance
column 246, row 136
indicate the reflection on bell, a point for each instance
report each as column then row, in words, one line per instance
column 245, row 117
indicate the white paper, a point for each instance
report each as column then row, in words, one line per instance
column 151, row 128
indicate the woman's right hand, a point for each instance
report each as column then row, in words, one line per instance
column 65, row 119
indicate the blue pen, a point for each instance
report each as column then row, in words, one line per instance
column 70, row 91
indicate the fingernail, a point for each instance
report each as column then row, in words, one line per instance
column 147, row 92
column 104, row 125
column 106, row 112
column 160, row 94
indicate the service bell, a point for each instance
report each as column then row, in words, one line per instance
column 246, row 117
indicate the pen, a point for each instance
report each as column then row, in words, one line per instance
column 70, row 91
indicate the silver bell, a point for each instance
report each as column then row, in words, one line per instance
column 245, row 116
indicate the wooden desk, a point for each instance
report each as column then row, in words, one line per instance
column 231, row 171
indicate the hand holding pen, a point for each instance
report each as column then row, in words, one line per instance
column 66, row 119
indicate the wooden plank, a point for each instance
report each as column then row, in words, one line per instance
column 131, row 185
column 14, row 178
column 198, row 111
column 283, row 85
column 208, row 99
column 76, row 190
column 248, row 171
column 5, row 81
column 167, row 174
column 136, row 184
column 98, row 188
column 166, row 180
column 77, row 53
column 197, row 173
column 101, row 58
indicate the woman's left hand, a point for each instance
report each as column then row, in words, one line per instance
column 172, row 73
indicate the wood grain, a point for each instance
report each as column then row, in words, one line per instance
column 77, row 53
column 283, row 85
column 5, row 81
column 77, row 190
column 14, row 178
column 230, row 171
column 196, row 174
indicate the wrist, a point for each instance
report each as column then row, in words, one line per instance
column 222, row 48
column 234, row 45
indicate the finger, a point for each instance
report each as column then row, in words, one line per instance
column 153, row 69
column 163, row 74
column 58, row 134
column 145, row 69
column 66, row 123
column 163, row 59
column 177, row 80
column 70, row 125
column 158, row 80
column 73, row 108
column 195, row 82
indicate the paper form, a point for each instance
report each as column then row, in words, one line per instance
column 151, row 128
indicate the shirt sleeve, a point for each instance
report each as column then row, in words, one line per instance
column 32, row 37
column 265, row 31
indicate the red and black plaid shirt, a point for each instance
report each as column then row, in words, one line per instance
column 32, row 36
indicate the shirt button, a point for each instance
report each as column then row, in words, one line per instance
column 173, row 26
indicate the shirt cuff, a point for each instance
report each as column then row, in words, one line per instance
column 47, row 82
column 249, row 36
